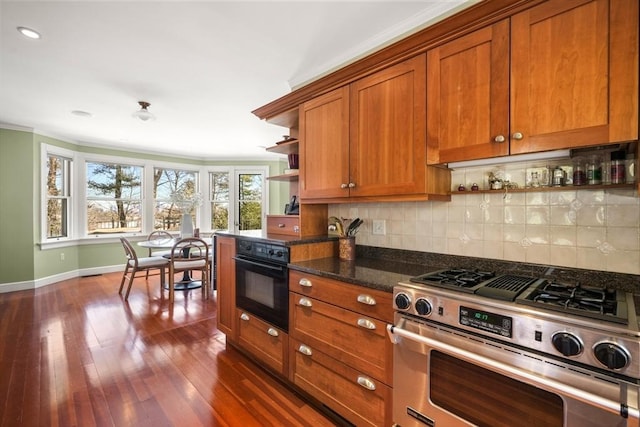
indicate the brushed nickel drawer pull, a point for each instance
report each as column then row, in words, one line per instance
column 281, row 225
column 366, row 383
column 366, row 299
column 305, row 350
column 305, row 302
column 366, row 323
column 244, row 316
column 273, row 332
column 305, row 282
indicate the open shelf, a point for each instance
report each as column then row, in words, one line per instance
column 287, row 147
column 284, row 177
column 547, row 189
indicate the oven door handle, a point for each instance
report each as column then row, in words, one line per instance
column 589, row 398
column 259, row 264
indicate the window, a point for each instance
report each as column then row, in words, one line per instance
column 175, row 192
column 250, row 200
column 219, row 200
column 58, row 196
column 114, row 198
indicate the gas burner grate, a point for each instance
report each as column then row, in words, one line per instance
column 579, row 300
column 455, row 278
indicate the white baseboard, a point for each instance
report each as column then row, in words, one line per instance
column 49, row 280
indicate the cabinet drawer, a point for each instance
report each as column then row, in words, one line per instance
column 266, row 342
column 359, row 341
column 363, row 300
column 283, row 224
column 352, row 394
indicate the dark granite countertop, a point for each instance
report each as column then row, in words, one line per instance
column 382, row 268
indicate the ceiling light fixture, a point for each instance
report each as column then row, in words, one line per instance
column 28, row 32
column 81, row 113
column 144, row 114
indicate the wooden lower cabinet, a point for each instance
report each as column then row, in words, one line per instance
column 352, row 394
column 339, row 351
column 266, row 342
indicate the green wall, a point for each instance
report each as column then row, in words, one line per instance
column 21, row 259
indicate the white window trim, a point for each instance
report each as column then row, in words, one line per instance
column 45, row 151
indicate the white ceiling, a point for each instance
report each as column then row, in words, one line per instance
column 203, row 66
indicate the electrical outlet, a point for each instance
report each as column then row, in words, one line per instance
column 379, row 227
column 61, row 256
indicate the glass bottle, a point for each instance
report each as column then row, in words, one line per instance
column 579, row 173
column 618, row 167
column 594, row 170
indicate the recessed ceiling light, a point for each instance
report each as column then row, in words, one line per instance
column 81, row 113
column 28, row 32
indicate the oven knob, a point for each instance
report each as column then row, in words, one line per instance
column 423, row 307
column 403, row 301
column 612, row 355
column 567, row 344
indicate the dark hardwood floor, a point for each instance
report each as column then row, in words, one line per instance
column 76, row 354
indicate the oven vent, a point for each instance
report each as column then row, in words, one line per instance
column 506, row 287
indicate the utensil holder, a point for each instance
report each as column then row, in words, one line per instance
column 347, row 248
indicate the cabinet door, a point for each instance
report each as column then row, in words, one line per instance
column 387, row 132
column 574, row 74
column 468, row 96
column 226, row 284
column 324, row 146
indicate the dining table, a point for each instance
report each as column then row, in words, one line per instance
column 187, row 281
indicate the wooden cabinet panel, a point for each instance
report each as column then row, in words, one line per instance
column 352, row 338
column 369, row 302
column 269, row 344
column 468, row 96
column 363, row 401
column 572, row 75
column 226, row 285
column 387, row 145
column 324, row 146
column 572, row 82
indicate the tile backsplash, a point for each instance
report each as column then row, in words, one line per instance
column 590, row 229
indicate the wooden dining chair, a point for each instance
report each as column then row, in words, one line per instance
column 158, row 235
column 188, row 255
column 135, row 265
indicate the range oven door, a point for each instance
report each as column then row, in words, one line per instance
column 262, row 288
column 445, row 378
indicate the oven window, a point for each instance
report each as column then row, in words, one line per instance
column 489, row 399
column 259, row 288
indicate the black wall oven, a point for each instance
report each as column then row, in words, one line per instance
column 262, row 281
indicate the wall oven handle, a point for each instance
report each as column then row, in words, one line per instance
column 615, row 407
column 260, row 264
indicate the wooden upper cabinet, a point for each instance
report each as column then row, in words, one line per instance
column 563, row 74
column 574, row 74
column 387, row 132
column 324, row 146
column 366, row 141
column 468, row 96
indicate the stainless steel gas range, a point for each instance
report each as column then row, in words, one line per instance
column 477, row 348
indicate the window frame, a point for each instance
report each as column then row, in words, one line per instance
column 52, row 150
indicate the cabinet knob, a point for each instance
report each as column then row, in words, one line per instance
column 244, row 316
column 366, row 382
column 305, row 282
column 366, row 299
column 273, row 332
column 352, row 185
column 366, row 323
column 305, row 350
column 343, row 185
column 518, row 136
column 305, row 302
column 499, row 138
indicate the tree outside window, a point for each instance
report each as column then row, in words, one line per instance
column 114, row 198
column 58, row 196
column 250, row 201
column 219, row 199
column 172, row 189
